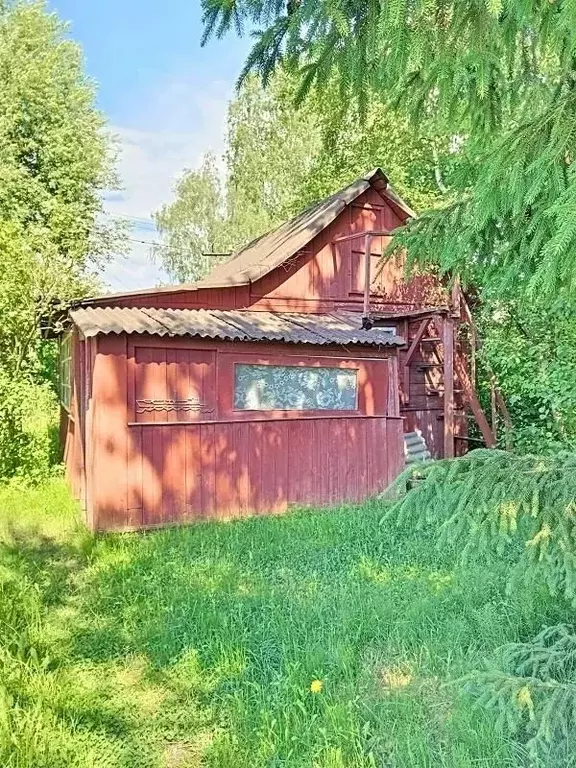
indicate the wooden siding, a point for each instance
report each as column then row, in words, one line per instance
column 72, row 425
column 182, row 472
column 134, row 466
column 153, row 467
column 323, row 276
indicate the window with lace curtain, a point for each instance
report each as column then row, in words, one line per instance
column 294, row 388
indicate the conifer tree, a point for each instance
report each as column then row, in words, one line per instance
column 497, row 75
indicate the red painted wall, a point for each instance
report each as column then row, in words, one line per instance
column 134, row 468
column 152, row 468
column 323, row 276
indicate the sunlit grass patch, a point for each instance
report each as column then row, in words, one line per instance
column 316, row 639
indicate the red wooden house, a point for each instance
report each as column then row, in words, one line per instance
column 286, row 377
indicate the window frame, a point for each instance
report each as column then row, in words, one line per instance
column 324, row 366
column 66, row 363
column 371, row 401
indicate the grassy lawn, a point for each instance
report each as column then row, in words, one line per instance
column 198, row 646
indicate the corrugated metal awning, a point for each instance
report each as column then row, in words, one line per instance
column 233, row 325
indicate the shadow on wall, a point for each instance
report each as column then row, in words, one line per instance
column 160, row 472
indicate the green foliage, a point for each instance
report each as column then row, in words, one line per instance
column 55, row 162
column 495, row 507
column 496, row 76
column 197, row 646
column 533, row 693
column 28, row 433
column 193, row 225
column 532, row 350
column 270, row 155
column 488, row 501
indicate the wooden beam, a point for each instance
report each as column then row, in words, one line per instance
column 406, row 367
column 367, row 255
column 475, row 406
column 493, row 406
column 476, row 344
column 456, row 298
column 416, row 340
column 508, row 430
column 448, row 344
column 393, row 405
column 363, row 233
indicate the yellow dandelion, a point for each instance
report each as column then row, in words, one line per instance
column 316, row 686
column 524, row 699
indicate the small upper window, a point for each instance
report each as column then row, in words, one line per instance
column 65, row 371
column 295, row 388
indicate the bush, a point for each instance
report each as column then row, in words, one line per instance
column 532, row 351
column 28, row 428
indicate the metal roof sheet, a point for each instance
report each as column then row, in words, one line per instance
column 233, row 325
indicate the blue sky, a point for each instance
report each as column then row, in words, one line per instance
column 165, row 98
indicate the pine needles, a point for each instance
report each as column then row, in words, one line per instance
column 498, row 76
column 492, row 504
column 534, row 694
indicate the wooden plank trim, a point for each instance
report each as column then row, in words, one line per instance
column 367, row 264
column 448, row 344
column 256, row 421
column 363, row 233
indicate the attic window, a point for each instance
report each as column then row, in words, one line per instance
column 295, row 388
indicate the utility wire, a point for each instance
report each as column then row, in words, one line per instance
column 132, row 218
column 162, row 245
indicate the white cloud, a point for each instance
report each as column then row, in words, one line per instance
column 180, row 122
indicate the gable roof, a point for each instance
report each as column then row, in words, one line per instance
column 269, row 251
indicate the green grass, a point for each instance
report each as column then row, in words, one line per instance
column 197, row 646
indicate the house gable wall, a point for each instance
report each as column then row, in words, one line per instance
column 324, row 276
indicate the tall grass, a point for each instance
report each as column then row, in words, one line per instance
column 197, row 646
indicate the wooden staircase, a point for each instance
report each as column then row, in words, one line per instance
column 415, row 448
column 439, row 399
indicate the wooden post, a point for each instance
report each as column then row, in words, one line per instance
column 456, row 298
column 367, row 254
column 493, row 406
column 448, row 344
column 472, row 399
column 408, row 357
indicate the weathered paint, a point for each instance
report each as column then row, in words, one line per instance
column 153, row 468
column 134, row 468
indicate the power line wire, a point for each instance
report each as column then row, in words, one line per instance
column 166, row 246
column 148, row 220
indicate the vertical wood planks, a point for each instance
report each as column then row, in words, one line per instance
column 110, row 432
column 229, row 469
